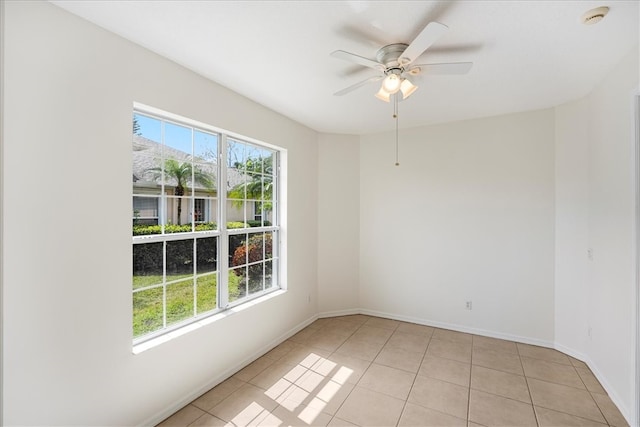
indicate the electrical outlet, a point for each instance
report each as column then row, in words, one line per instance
column 590, row 254
column 469, row 305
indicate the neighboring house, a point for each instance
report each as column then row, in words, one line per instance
column 203, row 206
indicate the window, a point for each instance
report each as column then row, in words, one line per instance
column 200, row 245
column 200, row 210
column 145, row 210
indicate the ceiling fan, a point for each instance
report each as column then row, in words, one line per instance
column 394, row 64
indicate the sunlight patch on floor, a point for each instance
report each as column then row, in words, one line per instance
column 308, row 387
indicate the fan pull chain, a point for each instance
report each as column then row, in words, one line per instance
column 395, row 116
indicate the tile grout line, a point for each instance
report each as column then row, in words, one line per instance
column 526, row 379
column 365, row 371
column 374, row 359
column 354, row 387
column 561, row 384
column 590, row 394
column 415, row 378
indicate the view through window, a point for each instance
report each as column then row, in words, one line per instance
column 205, row 223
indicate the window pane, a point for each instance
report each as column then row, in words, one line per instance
column 204, row 211
column 252, row 158
column 179, row 301
column 253, row 184
column 268, row 245
column 237, row 284
column 208, row 208
column 147, row 174
column 177, row 140
column 269, row 214
column 236, row 211
column 179, row 259
column 146, row 127
column 178, row 215
column 237, row 250
column 199, row 209
column 235, row 153
column 146, row 154
column 147, row 311
column 256, row 277
column 256, row 247
column 268, row 274
column 207, row 255
column 236, row 184
column 207, row 292
column 204, row 179
column 147, row 264
column 145, row 216
column 205, row 146
column 145, row 207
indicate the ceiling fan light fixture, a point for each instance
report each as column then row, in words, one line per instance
column 391, row 83
column 383, row 95
column 407, row 88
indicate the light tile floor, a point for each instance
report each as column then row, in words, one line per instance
column 368, row 371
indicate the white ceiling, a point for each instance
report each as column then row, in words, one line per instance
column 527, row 54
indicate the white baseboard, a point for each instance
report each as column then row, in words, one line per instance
column 460, row 328
column 337, row 313
column 157, row 418
column 626, row 412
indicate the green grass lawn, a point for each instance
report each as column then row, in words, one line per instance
column 147, row 305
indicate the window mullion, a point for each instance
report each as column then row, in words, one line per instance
column 164, row 284
column 223, row 241
column 275, row 209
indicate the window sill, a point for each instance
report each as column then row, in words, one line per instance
column 154, row 342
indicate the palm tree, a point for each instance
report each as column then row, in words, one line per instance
column 260, row 185
column 182, row 173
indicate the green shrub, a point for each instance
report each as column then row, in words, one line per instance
column 257, row 223
column 236, row 224
column 206, row 226
column 259, row 248
column 145, row 230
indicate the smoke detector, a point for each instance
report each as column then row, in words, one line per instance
column 594, row 16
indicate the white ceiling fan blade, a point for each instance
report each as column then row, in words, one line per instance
column 351, row 57
column 444, row 68
column 357, row 85
column 432, row 32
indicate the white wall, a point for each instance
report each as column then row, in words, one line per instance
column 468, row 215
column 611, row 228
column 596, row 143
column 69, row 91
column 572, row 223
column 338, row 222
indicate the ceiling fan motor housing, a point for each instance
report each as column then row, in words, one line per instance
column 389, row 55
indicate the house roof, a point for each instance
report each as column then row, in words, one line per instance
column 146, row 155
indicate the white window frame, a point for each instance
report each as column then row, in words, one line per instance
column 222, row 233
